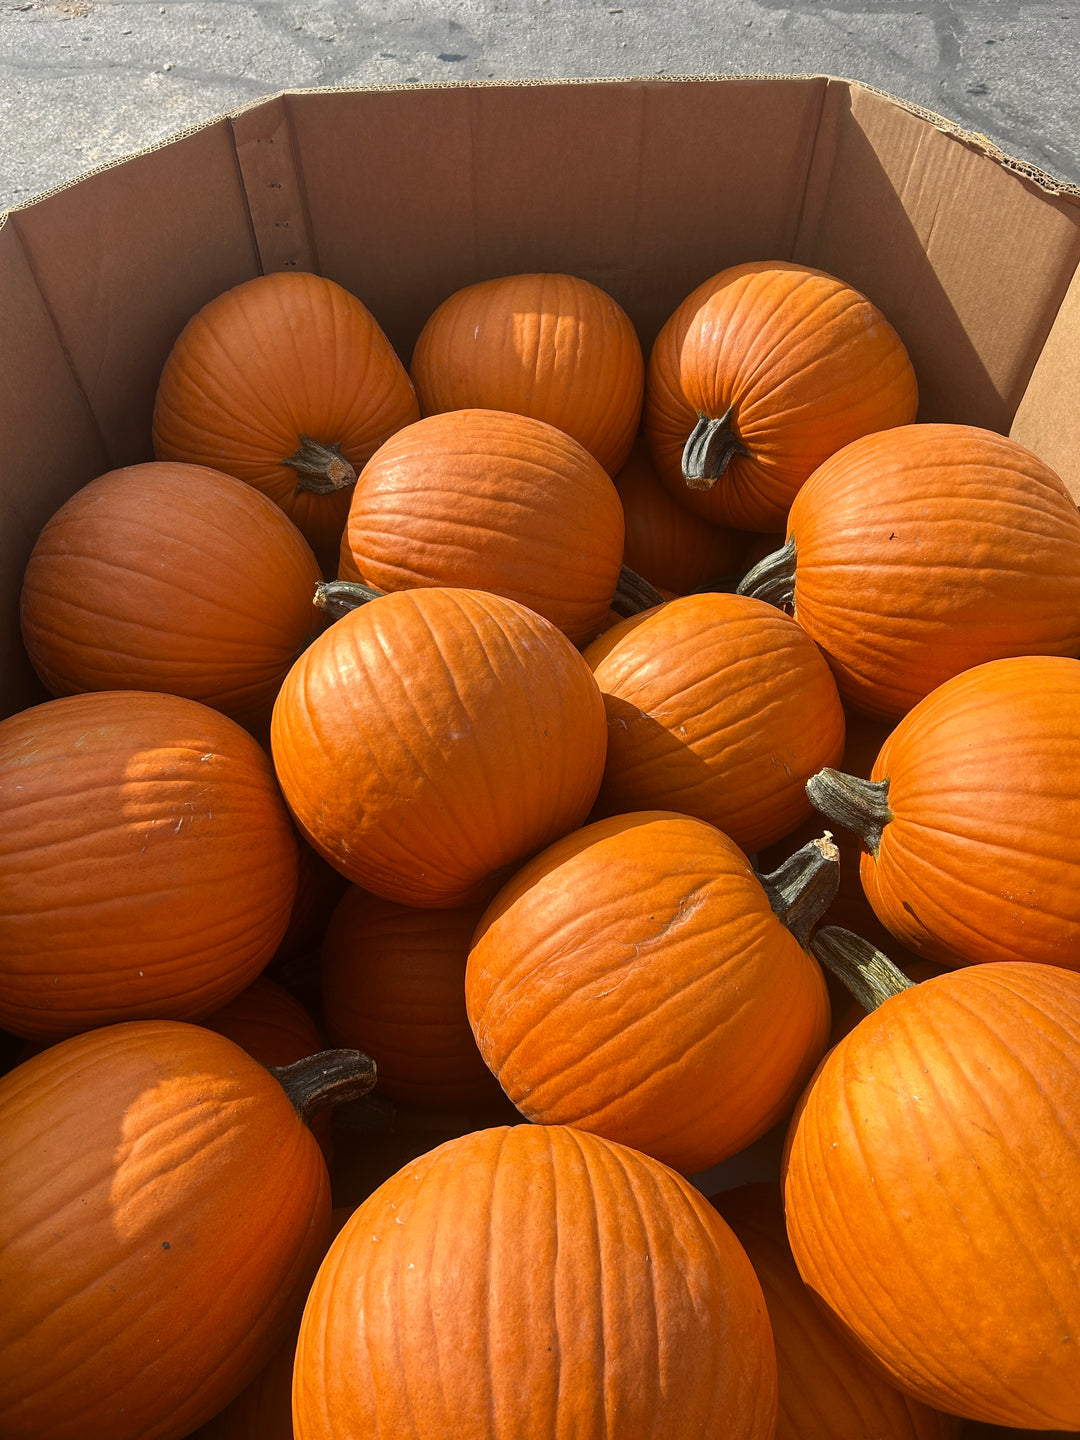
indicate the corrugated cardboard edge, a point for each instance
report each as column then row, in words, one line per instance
column 976, row 141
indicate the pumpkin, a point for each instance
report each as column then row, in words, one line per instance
column 970, row 821
column 639, row 980
column 430, row 740
column 287, row 382
column 172, row 578
column 672, row 548
column 165, row 1208
column 552, row 346
column 920, row 552
column 531, row 1282
column 828, row 1390
column 764, row 371
column 489, row 501
column 932, row 1186
column 147, row 862
column 720, row 707
column 395, row 976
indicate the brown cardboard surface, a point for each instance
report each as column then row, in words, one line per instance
column 968, row 259
column 126, row 257
column 273, row 187
column 1048, row 417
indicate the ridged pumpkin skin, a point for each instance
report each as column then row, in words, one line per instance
column 273, row 360
column 804, row 363
column 433, row 738
column 828, row 1390
column 489, row 501
column 551, row 346
column 173, row 578
column 981, row 858
column 147, row 862
column 532, row 1283
column 720, row 707
column 928, row 549
column 932, row 1191
column 163, row 1207
column 633, row 981
column 393, row 986
column 666, row 544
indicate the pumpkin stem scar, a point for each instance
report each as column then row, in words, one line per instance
column 853, row 804
column 709, row 450
column 772, row 579
column 329, row 1078
column 804, row 886
column 633, row 594
column 320, row 468
column 866, row 971
column 338, row 597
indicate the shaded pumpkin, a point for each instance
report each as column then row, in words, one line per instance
column 393, row 985
column 828, row 1390
column 919, row 552
column 165, row 1208
column 764, row 371
column 637, row 971
column 535, row 1281
column 175, row 578
column 672, row 548
column 429, row 741
column 287, row 382
column 554, row 347
column 147, row 862
column 720, row 707
column 932, row 1185
column 493, row 501
column 970, row 821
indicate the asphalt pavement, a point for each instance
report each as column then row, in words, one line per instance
column 84, row 82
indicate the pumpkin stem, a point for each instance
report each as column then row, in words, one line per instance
column 868, row 973
column 321, row 468
column 804, row 886
column 633, row 594
column 329, row 1078
column 852, row 803
column 772, row 579
column 709, row 449
column 338, row 597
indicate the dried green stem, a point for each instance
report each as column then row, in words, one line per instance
column 633, row 594
column 868, row 973
column 338, row 597
column 852, row 803
column 320, row 468
column 329, row 1078
column 772, row 579
column 709, row 450
column 804, row 886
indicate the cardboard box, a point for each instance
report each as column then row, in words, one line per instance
column 645, row 187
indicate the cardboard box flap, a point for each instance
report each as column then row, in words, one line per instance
column 970, row 260
column 1048, row 418
column 126, row 257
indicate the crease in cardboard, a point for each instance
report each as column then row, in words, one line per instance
column 272, row 184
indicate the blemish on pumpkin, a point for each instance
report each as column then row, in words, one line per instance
column 165, row 1245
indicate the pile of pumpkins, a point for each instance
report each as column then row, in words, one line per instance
column 581, row 714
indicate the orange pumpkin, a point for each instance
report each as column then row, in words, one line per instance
column 761, row 373
column 720, row 707
column 147, row 861
column 535, row 1282
column 288, row 382
column 920, row 552
column 932, row 1189
column 970, row 821
column 430, row 740
column 393, row 985
column 828, row 1390
column 489, row 501
column 173, row 578
column 555, row 347
column 165, row 1208
column 638, row 970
